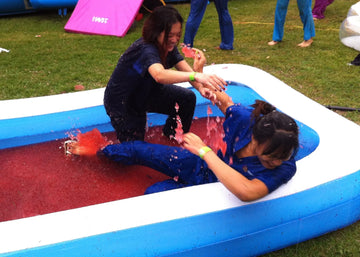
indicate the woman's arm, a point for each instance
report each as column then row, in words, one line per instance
column 222, row 100
column 184, row 71
column 219, row 97
column 168, row 76
column 184, row 66
column 235, row 182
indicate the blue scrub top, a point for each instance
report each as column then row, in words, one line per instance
column 238, row 130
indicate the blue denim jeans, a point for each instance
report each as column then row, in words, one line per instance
column 304, row 7
column 196, row 14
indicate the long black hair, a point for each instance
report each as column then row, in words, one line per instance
column 161, row 19
column 277, row 130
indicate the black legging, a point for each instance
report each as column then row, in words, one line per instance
column 130, row 125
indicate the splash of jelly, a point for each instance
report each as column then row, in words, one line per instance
column 215, row 133
column 88, row 143
column 179, row 132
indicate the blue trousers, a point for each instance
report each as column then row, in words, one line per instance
column 305, row 11
column 185, row 168
column 196, row 14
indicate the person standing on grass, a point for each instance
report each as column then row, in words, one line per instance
column 144, row 76
column 304, row 7
column 261, row 145
column 319, row 8
column 197, row 10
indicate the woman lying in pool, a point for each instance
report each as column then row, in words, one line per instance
column 261, row 145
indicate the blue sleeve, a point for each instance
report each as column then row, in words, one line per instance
column 280, row 175
column 237, row 128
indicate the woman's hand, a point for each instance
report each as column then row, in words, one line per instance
column 208, row 94
column 193, row 143
column 211, row 81
column 208, row 80
column 199, row 60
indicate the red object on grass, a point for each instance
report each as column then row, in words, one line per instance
column 79, row 87
column 139, row 16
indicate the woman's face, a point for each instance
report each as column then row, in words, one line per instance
column 266, row 160
column 269, row 162
column 174, row 37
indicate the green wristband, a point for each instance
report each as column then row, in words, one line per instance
column 192, row 76
column 203, row 150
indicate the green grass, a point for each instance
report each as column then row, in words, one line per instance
column 44, row 60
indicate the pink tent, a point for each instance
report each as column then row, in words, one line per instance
column 103, row 17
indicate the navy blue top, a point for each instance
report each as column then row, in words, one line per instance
column 238, row 131
column 131, row 80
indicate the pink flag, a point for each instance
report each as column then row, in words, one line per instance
column 103, row 17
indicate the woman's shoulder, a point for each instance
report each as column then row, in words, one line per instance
column 239, row 110
column 237, row 127
column 147, row 46
column 140, row 45
column 273, row 178
column 139, row 50
column 240, row 107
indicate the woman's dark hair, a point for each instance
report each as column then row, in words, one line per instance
column 277, row 130
column 161, row 19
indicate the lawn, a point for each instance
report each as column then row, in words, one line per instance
column 45, row 60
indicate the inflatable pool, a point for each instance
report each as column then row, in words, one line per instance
column 205, row 220
column 10, row 7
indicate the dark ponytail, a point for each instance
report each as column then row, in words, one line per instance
column 275, row 129
column 261, row 107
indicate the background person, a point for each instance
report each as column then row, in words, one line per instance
column 197, row 10
column 304, row 7
column 319, row 8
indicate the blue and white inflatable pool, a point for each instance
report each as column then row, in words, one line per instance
column 205, row 220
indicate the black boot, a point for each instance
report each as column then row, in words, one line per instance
column 356, row 61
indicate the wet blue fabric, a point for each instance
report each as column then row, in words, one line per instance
column 237, row 127
column 196, row 15
column 132, row 92
column 238, row 130
column 175, row 162
column 305, row 11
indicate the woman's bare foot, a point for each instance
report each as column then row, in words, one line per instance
column 306, row 43
column 272, row 43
